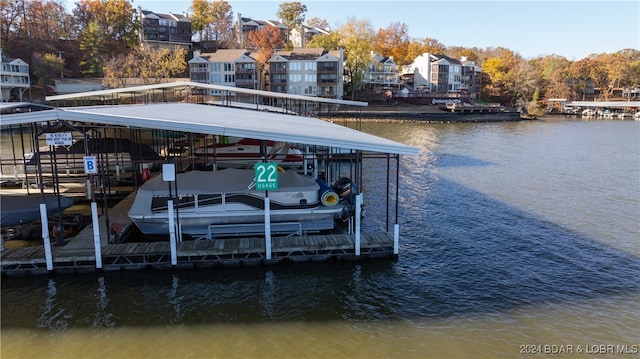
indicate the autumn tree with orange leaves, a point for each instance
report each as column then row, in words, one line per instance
column 265, row 41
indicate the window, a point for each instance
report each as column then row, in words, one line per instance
column 294, row 66
column 295, row 77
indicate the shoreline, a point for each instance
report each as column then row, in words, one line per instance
column 421, row 113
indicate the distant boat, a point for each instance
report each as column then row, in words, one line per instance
column 22, row 209
column 110, row 151
column 206, row 200
column 637, row 116
column 245, row 152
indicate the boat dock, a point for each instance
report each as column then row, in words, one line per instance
column 231, row 252
column 78, row 255
column 110, row 245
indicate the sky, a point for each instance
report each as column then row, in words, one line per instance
column 573, row 29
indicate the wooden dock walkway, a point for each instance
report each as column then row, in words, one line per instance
column 78, row 255
column 199, row 253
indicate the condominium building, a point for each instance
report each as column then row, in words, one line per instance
column 233, row 68
column 14, row 79
column 382, row 71
column 161, row 30
column 307, row 71
column 245, row 25
column 299, row 37
column 444, row 75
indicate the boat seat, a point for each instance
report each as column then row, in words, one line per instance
column 289, row 228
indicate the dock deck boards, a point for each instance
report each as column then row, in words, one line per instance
column 79, row 253
column 22, row 261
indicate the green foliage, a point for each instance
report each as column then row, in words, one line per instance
column 91, row 45
column 329, row 42
column 292, row 14
column 47, row 67
column 357, row 40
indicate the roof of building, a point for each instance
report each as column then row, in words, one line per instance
column 306, row 53
column 225, row 121
column 225, row 55
column 188, row 85
column 450, row 60
column 22, row 107
column 176, row 17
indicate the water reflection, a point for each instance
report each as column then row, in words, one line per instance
column 52, row 316
column 174, row 299
column 268, row 295
column 102, row 318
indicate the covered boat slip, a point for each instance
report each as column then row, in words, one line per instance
column 219, row 121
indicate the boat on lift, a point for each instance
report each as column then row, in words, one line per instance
column 245, row 152
column 224, row 200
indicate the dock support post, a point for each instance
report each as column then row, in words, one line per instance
column 396, row 237
column 172, row 235
column 96, row 234
column 267, row 226
column 45, row 236
column 358, row 214
column 89, row 188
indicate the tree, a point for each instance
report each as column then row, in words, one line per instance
column 33, row 26
column 118, row 69
column 91, row 45
column 329, row 42
column 265, row 40
column 160, row 64
column 554, row 71
column 222, row 22
column 120, row 24
column 432, row 46
column 114, row 19
column 503, row 71
column 46, row 20
column 579, row 77
column 600, row 76
column 356, row 39
column 318, row 23
column 292, row 14
column 47, row 67
column 459, row 52
column 200, row 16
column 394, row 41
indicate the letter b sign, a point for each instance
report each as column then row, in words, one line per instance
column 90, row 165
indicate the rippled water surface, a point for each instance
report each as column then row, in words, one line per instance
column 516, row 238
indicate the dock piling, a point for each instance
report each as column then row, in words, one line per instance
column 45, row 236
column 96, row 234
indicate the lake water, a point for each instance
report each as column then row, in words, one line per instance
column 516, row 239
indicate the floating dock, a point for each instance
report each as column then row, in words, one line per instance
column 199, row 254
column 78, row 255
